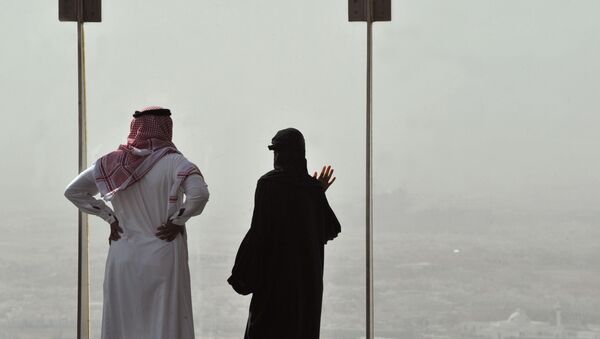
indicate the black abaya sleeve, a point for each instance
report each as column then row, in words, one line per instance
column 246, row 273
column 330, row 224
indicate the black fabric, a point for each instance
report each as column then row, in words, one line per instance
column 280, row 260
column 291, row 163
column 290, row 140
column 289, row 155
column 158, row 111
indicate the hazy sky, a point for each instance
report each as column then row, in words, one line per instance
column 480, row 105
column 488, row 103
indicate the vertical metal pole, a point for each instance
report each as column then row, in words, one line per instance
column 83, row 297
column 369, row 176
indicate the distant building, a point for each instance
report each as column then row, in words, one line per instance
column 520, row 326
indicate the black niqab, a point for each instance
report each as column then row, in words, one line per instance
column 289, row 152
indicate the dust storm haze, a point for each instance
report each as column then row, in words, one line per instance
column 486, row 154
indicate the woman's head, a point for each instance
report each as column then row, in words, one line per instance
column 289, row 151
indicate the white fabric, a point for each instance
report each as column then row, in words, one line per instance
column 147, row 291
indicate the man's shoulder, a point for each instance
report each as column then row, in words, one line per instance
column 175, row 156
column 174, row 163
column 176, row 159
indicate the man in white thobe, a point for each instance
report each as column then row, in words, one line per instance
column 147, row 291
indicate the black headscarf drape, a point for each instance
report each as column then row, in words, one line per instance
column 290, row 152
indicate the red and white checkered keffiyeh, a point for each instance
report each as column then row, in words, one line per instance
column 149, row 141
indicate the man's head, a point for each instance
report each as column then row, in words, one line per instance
column 150, row 123
column 153, row 110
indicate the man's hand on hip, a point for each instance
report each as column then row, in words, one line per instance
column 115, row 229
column 169, row 231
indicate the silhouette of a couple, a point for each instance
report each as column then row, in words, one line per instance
column 154, row 190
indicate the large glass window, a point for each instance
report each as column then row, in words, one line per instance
column 38, row 241
column 486, row 186
column 486, row 174
column 233, row 74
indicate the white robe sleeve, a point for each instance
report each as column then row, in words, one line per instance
column 196, row 197
column 81, row 192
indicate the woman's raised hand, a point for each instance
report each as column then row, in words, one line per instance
column 325, row 177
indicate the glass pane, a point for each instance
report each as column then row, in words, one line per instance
column 38, row 245
column 485, row 131
column 486, row 173
column 233, row 74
